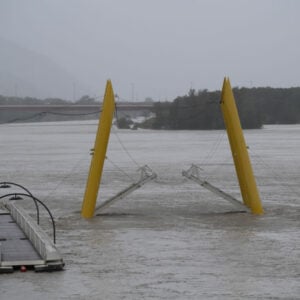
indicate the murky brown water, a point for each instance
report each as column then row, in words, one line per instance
column 171, row 239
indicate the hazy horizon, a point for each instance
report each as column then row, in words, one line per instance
column 147, row 48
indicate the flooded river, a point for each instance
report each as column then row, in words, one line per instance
column 170, row 239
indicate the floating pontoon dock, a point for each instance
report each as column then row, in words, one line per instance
column 24, row 243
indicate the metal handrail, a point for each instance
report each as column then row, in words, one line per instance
column 40, row 202
column 7, row 184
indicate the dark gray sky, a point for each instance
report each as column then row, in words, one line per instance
column 161, row 48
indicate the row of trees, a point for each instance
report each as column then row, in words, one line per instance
column 200, row 110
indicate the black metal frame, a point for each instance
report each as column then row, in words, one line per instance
column 35, row 200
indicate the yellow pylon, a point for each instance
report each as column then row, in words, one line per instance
column 97, row 163
column 239, row 150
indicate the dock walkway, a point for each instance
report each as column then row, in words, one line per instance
column 24, row 243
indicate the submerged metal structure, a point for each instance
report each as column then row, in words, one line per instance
column 193, row 174
column 146, row 175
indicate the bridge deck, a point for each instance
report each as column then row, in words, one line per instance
column 76, row 107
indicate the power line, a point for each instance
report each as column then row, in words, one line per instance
column 119, row 168
column 122, row 144
column 44, row 113
column 76, row 114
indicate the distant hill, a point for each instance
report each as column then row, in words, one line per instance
column 24, row 73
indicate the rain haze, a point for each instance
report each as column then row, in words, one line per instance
column 171, row 238
column 157, row 49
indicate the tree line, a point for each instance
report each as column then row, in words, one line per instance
column 201, row 110
column 197, row 110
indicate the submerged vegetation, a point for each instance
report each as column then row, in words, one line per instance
column 196, row 110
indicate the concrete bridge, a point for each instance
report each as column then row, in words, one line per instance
column 122, row 106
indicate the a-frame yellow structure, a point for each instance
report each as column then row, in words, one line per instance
column 239, row 151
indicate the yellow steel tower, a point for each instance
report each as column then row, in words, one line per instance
column 97, row 163
column 239, row 150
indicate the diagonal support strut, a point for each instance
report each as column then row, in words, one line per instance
column 193, row 174
column 146, row 175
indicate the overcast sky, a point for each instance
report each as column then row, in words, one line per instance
column 161, row 48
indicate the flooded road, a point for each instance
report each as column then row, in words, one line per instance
column 171, row 239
